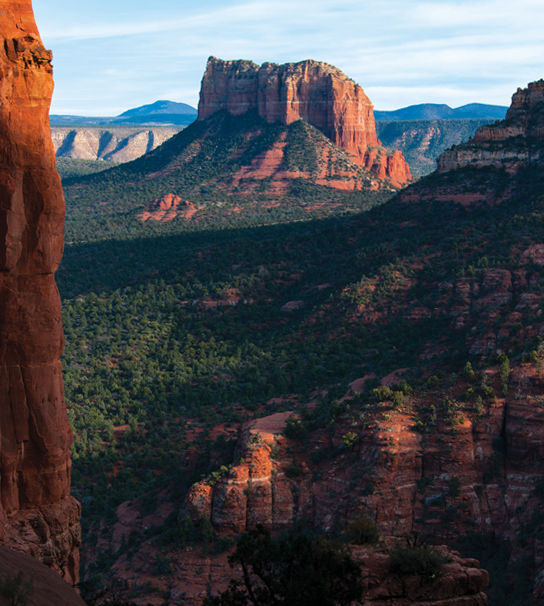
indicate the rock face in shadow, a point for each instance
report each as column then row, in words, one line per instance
column 48, row 589
column 316, row 92
column 37, row 514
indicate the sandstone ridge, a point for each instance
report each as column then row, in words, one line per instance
column 509, row 144
column 316, row 92
column 37, row 514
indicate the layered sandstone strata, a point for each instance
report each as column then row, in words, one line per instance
column 480, row 473
column 113, row 144
column 511, row 143
column 37, row 514
column 316, row 92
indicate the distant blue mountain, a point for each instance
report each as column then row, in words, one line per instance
column 435, row 111
column 160, row 107
column 154, row 114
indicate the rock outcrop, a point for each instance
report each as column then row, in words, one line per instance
column 254, row 491
column 37, row 514
column 399, row 469
column 114, row 144
column 461, row 584
column 509, row 144
column 316, row 92
column 423, row 467
column 168, row 207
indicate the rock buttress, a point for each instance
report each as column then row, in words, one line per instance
column 37, row 514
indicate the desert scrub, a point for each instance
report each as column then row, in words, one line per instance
column 424, row 561
column 363, row 531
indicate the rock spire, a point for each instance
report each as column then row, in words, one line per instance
column 37, row 514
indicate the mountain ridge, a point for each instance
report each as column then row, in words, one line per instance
column 434, row 111
column 159, row 112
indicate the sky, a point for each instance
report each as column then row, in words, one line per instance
column 113, row 55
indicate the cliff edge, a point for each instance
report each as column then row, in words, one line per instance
column 37, row 514
column 508, row 144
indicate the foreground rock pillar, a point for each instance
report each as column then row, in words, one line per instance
column 37, row 514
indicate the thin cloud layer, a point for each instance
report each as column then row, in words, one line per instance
column 110, row 58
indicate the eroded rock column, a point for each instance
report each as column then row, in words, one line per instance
column 37, row 514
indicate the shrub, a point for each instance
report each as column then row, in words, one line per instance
column 293, row 471
column 298, row 569
column 423, row 482
column 350, row 439
column 16, row 590
column 454, row 489
column 295, row 428
column 163, row 565
column 363, row 531
column 368, row 489
column 426, row 562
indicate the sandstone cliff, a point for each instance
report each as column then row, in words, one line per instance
column 312, row 91
column 271, row 483
column 399, row 469
column 429, row 466
column 114, row 144
column 37, row 514
column 509, row 144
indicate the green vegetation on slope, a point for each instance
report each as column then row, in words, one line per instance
column 71, row 169
column 166, row 331
column 199, row 165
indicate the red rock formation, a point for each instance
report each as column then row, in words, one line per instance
column 254, row 491
column 196, row 571
column 310, row 90
column 37, row 514
column 505, row 144
column 462, row 583
column 398, row 472
column 168, row 207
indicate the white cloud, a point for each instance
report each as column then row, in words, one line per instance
column 467, row 50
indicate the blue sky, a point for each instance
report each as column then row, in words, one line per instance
column 110, row 56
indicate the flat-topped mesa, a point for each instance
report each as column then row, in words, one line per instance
column 37, row 513
column 510, row 143
column 316, row 92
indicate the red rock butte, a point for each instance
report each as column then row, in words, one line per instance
column 37, row 514
column 316, row 92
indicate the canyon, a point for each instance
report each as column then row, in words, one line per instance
column 441, row 442
column 423, row 141
column 458, row 452
column 37, row 514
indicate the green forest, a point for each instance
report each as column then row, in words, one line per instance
column 167, row 332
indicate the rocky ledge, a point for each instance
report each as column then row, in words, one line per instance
column 509, row 144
